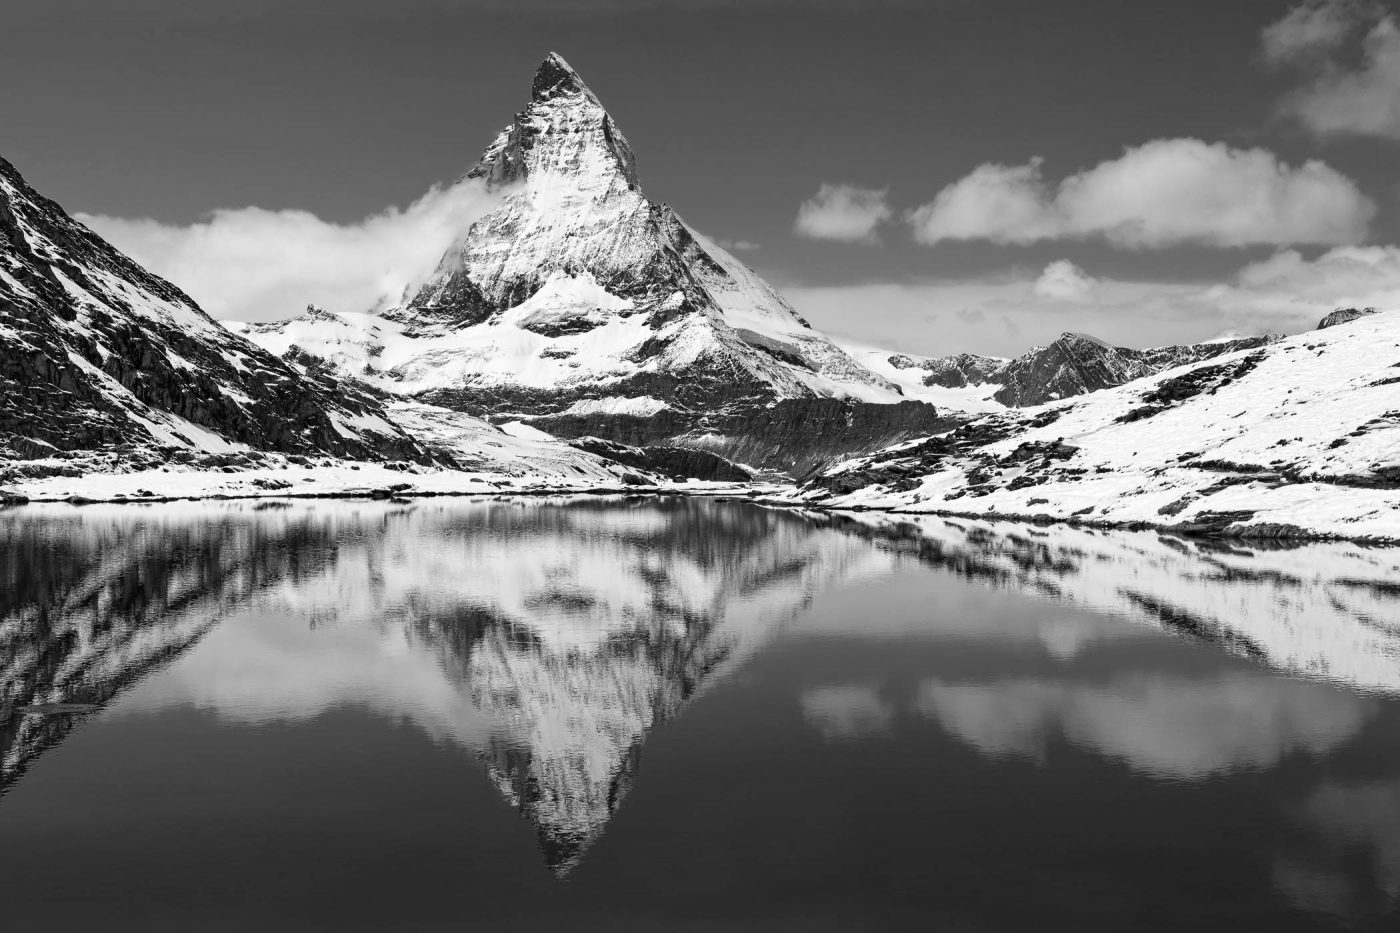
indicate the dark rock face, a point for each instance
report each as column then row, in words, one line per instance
column 792, row 436
column 1164, row 358
column 96, row 352
column 799, row 436
column 1075, row 364
column 667, row 460
column 92, row 608
column 1343, row 316
column 1072, row 365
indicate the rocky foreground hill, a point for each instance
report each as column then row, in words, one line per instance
column 97, row 353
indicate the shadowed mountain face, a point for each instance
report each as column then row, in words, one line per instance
column 548, row 640
column 90, row 605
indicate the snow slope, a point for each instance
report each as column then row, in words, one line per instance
column 1301, row 435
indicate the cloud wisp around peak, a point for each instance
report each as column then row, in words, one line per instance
column 254, row 264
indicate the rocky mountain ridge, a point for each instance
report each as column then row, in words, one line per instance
column 1297, row 437
column 98, row 353
column 1073, row 364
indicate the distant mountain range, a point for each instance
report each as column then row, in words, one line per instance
column 1295, row 436
column 1073, row 364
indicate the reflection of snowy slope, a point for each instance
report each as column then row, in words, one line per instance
column 1325, row 610
column 95, row 601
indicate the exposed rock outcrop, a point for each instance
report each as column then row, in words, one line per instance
column 1343, row 316
column 1076, row 364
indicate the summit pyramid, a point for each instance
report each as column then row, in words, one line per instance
column 583, row 307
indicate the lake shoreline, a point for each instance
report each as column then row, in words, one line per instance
column 758, row 494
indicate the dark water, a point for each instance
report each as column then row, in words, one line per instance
column 682, row 715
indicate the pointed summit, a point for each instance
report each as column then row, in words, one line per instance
column 579, row 299
column 554, row 76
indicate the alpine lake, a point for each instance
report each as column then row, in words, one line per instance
column 685, row 714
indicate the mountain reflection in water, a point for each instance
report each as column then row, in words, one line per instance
column 548, row 639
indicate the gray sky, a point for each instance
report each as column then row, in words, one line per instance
column 740, row 111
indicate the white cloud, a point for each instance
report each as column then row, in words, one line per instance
column 847, row 711
column 1003, row 203
column 1312, row 28
column 739, row 246
column 1179, row 729
column 1062, row 280
column 1364, row 102
column 1344, row 95
column 845, row 213
column 1162, row 193
column 255, row 264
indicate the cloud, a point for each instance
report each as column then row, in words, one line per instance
column 1359, row 97
column 847, row 711
column 1162, row 193
column 1312, row 28
column 1062, row 280
column 1171, row 728
column 738, row 246
column 255, row 264
column 1348, row 824
column 845, row 213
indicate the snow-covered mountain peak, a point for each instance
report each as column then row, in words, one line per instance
column 555, row 76
column 564, row 139
column 576, row 289
column 574, row 209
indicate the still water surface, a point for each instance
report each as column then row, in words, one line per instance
column 675, row 714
